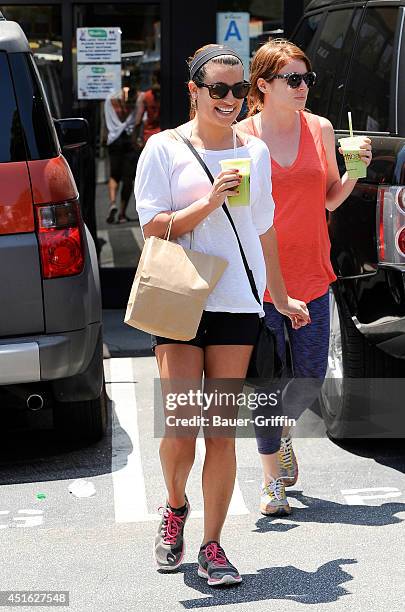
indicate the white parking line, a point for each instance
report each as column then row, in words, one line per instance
column 127, row 475
column 356, row 497
column 137, row 234
column 106, row 255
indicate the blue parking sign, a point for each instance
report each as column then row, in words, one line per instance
column 233, row 30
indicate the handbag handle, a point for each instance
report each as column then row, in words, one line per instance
column 169, row 227
column 228, row 214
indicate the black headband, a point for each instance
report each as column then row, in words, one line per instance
column 205, row 56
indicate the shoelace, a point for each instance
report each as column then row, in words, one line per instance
column 275, row 488
column 172, row 524
column 286, row 456
column 215, row 554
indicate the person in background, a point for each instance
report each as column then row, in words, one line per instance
column 120, row 112
column 306, row 183
column 147, row 120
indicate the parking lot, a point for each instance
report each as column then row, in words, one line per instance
column 82, row 519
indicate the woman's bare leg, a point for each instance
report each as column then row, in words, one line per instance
column 180, row 368
column 112, row 190
column 221, row 362
column 271, row 467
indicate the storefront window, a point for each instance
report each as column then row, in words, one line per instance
column 131, row 96
column 42, row 25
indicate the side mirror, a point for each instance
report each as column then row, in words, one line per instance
column 72, row 133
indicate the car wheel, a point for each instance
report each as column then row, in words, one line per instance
column 85, row 420
column 352, row 395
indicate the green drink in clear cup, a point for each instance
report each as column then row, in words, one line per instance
column 243, row 165
column 356, row 168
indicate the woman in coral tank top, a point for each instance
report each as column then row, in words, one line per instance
column 306, row 181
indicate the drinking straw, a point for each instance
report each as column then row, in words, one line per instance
column 234, row 142
column 349, row 114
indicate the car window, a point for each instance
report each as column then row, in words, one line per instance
column 330, row 61
column 11, row 142
column 305, row 36
column 34, row 112
column 368, row 92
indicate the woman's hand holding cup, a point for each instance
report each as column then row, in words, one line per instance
column 365, row 151
column 225, row 184
column 357, row 153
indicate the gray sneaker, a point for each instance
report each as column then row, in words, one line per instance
column 169, row 540
column 273, row 500
column 214, row 566
column 288, row 462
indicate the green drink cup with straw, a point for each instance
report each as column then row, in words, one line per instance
column 243, row 165
column 355, row 166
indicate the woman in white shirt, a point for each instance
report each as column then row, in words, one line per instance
column 169, row 179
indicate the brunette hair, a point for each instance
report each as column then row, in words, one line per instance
column 229, row 60
column 267, row 61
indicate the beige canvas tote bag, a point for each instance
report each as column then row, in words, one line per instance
column 171, row 287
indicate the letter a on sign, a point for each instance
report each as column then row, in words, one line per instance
column 232, row 31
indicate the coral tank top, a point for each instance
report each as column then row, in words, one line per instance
column 299, row 193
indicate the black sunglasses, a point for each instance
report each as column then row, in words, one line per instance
column 218, row 91
column 294, row 79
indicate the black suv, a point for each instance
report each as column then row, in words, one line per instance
column 358, row 52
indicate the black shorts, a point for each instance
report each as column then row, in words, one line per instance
column 123, row 159
column 220, row 328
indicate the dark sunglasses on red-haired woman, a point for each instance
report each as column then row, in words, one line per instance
column 294, row 79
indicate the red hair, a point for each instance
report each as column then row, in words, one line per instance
column 267, row 61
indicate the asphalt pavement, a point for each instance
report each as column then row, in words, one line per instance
column 83, row 519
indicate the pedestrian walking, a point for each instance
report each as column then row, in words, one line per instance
column 306, row 183
column 147, row 120
column 120, row 112
column 171, row 183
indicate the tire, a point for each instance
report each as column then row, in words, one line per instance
column 353, row 399
column 85, row 420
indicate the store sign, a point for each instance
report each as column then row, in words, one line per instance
column 98, row 62
column 98, row 45
column 233, row 31
column 96, row 82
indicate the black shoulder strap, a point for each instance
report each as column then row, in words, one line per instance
column 228, row 214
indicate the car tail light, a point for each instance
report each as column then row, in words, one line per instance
column 400, row 199
column 59, row 228
column 400, row 241
column 380, row 224
column 391, row 225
